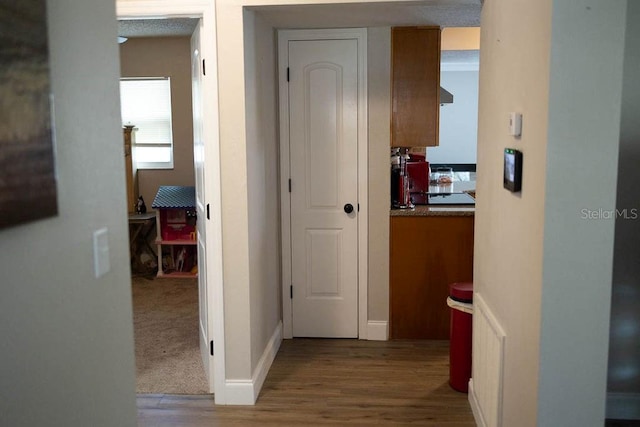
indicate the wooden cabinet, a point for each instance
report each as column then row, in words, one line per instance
column 427, row 254
column 415, row 86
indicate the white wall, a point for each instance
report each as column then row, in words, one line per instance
column 165, row 57
column 624, row 352
column 458, row 121
column 583, row 141
column 67, row 338
column 543, row 269
column 263, row 182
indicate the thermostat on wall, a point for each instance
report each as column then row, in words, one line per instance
column 512, row 177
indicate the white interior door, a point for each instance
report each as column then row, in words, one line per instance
column 323, row 127
column 199, row 165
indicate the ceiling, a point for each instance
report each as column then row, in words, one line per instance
column 175, row 27
column 443, row 13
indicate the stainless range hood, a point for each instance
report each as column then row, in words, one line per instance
column 446, row 97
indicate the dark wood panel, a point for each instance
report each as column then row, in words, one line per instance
column 334, row 382
column 415, row 86
column 427, row 254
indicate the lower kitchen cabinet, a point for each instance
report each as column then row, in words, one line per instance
column 427, row 254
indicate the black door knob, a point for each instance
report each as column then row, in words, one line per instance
column 348, row 208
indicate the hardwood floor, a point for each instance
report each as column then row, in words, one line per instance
column 334, row 382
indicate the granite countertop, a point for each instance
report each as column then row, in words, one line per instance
column 440, row 210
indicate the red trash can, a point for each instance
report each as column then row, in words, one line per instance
column 461, row 302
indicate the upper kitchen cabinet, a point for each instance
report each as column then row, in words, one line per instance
column 415, row 86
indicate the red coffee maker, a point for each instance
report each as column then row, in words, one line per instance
column 417, row 169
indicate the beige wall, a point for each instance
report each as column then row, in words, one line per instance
column 67, row 337
column 234, row 182
column 379, row 78
column 509, row 227
column 263, row 181
column 165, row 57
column 542, row 269
column 238, row 195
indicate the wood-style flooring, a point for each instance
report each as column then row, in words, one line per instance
column 334, row 382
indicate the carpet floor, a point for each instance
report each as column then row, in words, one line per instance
column 165, row 319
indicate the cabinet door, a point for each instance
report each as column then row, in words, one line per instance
column 415, row 86
column 427, row 254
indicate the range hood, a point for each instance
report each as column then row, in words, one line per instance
column 446, row 97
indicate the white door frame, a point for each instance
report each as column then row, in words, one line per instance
column 205, row 10
column 284, row 36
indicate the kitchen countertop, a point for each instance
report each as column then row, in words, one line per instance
column 463, row 182
column 440, row 210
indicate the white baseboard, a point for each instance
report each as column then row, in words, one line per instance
column 245, row 392
column 239, row 392
column 266, row 360
column 475, row 407
column 623, row 406
column 378, row 330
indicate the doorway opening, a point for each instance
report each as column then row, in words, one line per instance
column 205, row 152
column 324, row 146
column 165, row 309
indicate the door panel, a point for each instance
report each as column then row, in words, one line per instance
column 323, row 249
column 199, row 166
column 323, row 114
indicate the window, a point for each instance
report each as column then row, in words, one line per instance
column 146, row 104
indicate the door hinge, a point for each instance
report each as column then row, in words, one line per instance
column 208, row 216
column 204, row 68
column 358, row 207
column 287, row 73
column 289, row 185
column 211, row 347
column 291, row 292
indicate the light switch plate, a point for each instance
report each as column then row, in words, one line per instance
column 101, row 263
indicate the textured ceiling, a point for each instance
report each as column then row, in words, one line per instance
column 157, row 27
column 440, row 13
column 443, row 13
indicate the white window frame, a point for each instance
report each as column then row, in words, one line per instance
column 136, row 144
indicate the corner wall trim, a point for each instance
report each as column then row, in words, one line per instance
column 378, row 330
column 245, row 392
column 623, row 406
